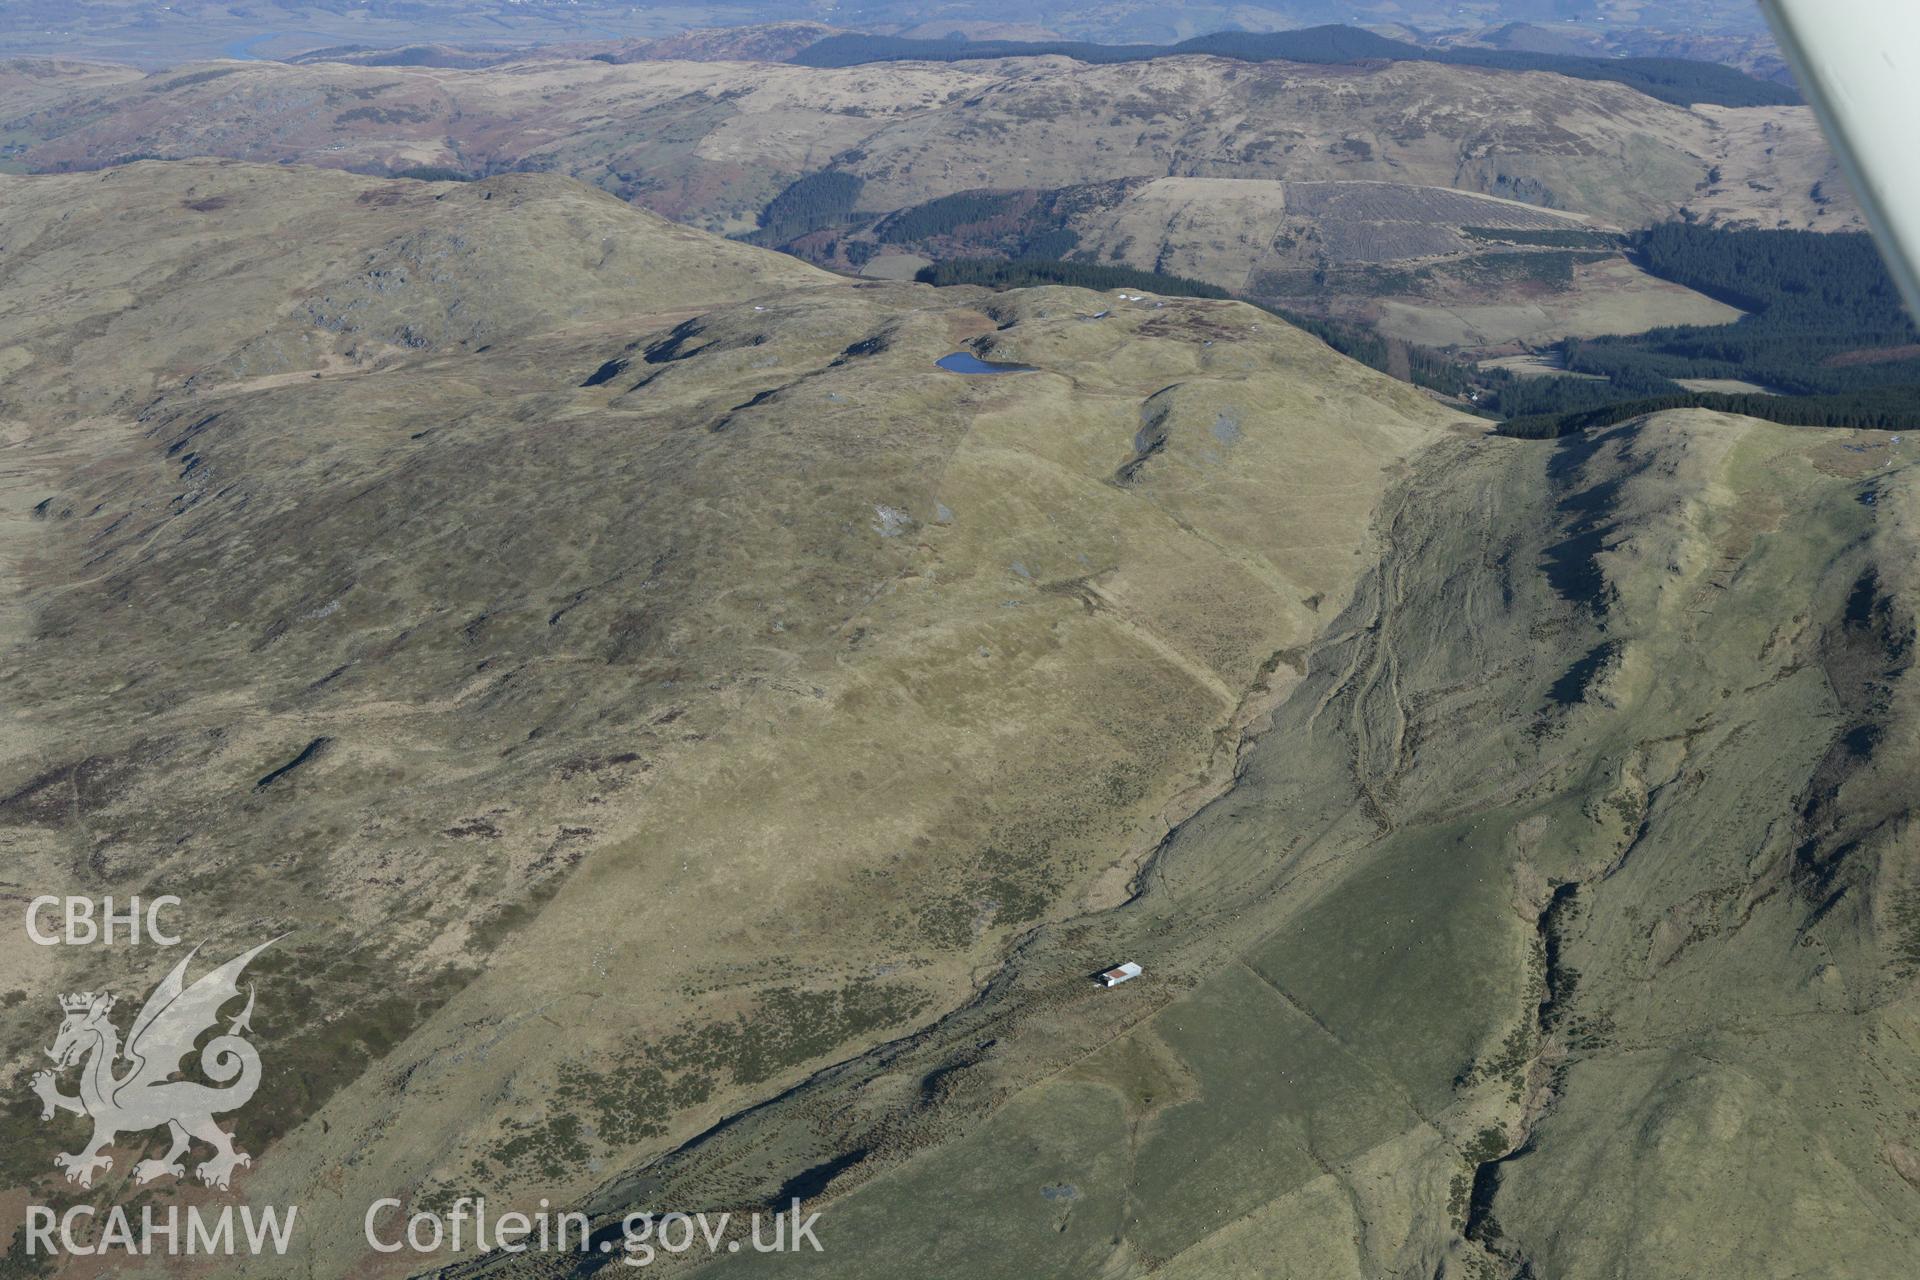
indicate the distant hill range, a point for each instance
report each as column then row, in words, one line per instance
column 1675, row 80
column 1734, row 76
column 763, row 42
column 1753, row 52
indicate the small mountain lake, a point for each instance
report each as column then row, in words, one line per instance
column 965, row 362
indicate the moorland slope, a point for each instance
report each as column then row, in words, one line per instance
column 696, row 748
column 627, row 669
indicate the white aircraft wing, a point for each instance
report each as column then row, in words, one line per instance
column 1858, row 62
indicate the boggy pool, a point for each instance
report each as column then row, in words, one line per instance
column 966, row 362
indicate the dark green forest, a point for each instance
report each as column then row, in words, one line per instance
column 1885, row 409
column 1668, row 79
column 1825, row 320
column 1016, row 224
column 944, row 215
column 818, row 200
column 1019, row 273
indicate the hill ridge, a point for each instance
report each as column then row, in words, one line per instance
column 1680, row 81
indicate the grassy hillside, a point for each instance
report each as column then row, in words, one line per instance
column 661, row 643
column 1409, row 363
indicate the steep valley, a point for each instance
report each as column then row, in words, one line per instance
column 1570, row 886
